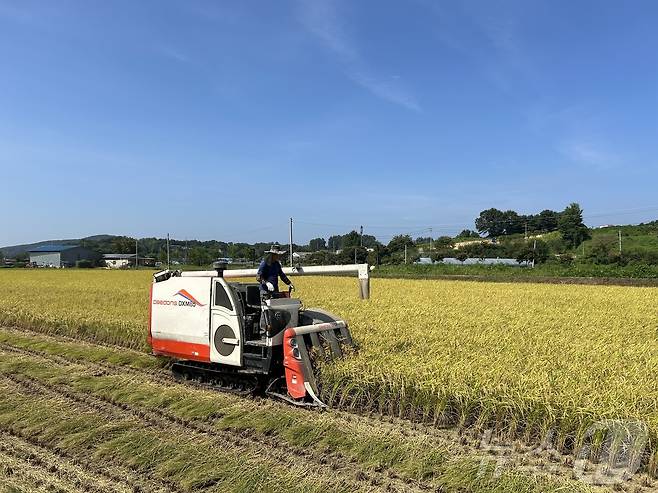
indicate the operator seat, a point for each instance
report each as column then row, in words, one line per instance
column 253, row 297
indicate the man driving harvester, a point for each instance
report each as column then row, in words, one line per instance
column 269, row 272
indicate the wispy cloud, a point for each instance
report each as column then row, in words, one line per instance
column 491, row 36
column 321, row 18
column 386, row 88
column 588, row 153
column 173, row 53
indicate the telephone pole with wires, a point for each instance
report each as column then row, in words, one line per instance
column 291, row 242
column 168, row 258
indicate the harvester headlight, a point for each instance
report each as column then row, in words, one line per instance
column 295, row 353
column 293, row 342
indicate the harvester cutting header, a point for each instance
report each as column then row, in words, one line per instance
column 242, row 337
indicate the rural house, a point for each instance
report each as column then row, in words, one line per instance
column 126, row 260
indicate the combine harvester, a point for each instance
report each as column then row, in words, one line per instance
column 225, row 335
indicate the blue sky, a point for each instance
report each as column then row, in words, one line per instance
column 210, row 119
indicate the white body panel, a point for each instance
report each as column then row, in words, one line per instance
column 181, row 310
column 222, row 316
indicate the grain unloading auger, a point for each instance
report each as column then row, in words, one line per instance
column 226, row 335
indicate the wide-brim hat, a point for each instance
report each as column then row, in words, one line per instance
column 275, row 249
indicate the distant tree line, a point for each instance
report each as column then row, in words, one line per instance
column 551, row 236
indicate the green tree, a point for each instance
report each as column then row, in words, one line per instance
column 546, row 220
column 317, row 244
column 513, row 223
column 123, row 244
column 200, row 256
column 444, row 242
column 491, row 222
column 370, row 241
column 467, row 233
column 347, row 255
column 571, row 226
column 335, row 242
column 398, row 243
column 603, row 250
column 461, row 256
column 533, row 250
column 351, row 239
column 442, row 253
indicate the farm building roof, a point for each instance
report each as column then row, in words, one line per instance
column 118, row 256
column 123, row 256
column 52, row 248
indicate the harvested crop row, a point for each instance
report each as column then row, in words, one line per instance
column 186, row 462
column 98, row 398
column 24, row 463
column 375, row 451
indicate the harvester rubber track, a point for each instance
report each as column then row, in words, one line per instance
column 231, row 382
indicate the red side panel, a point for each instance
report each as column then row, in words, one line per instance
column 293, row 366
column 181, row 350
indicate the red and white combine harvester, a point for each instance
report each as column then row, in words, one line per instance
column 218, row 332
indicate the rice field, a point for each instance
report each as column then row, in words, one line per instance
column 530, row 360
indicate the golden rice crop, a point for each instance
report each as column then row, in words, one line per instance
column 526, row 358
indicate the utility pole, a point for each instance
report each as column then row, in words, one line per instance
column 620, row 242
column 526, row 231
column 534, row 253
column 430, row 241
column 136, row 255
column 405, row 253
column 360, row 243
column 168, row 262
column 291, row 242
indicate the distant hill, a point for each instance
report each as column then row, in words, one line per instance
column 637, row 238
column 12, row 251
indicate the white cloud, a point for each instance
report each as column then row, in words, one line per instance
column 322, row 20
column 386, row 88
column 588, row 153
column 173, row 53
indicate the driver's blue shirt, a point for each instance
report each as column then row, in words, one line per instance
column 271, row 273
